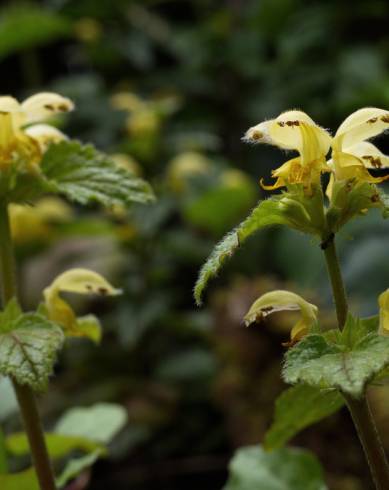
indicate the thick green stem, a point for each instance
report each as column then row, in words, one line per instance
column 24, row 394
column 359, row 409
column 370, row 440
column 339, row 291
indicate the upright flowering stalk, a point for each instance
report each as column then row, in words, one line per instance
column 336, row 366
column 37, row 159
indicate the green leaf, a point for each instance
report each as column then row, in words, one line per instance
column 317, row 362
column 99, row 423
column 292, row 208
column 356, row 329
column 28, row 347
column 252, row 468
column 87, row 176
column 27, row 26
column 58, row 444
column 385, row 204
column 25, row 480
column 75, row 466
column 265, row 214
column 297, row 408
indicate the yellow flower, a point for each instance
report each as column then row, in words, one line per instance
column 81, row 281
column 294, row 130
column 352, row 155
column 383, row 302
column 29, row 223
column 280, row 300
column 18, row 138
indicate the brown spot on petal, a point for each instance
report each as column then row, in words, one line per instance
column 103, row 291
column 63, row 107
column 49, row 107
column 372, row 120
column 292, row 123
column 257, row 135
column 385, row 118
column 281, row 124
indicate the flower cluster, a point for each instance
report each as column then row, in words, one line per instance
column 351, row 157
column 23, row 136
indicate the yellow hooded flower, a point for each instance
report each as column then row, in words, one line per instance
column 18, row 138
column 294, row 130
column 352, row 155
column 383, row 302
column 81, row 281
column 280, row 300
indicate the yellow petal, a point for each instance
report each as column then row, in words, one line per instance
column 40, row 106
column 296, row 130
column 9, row 104
column 44, row 135
column 83, row 281
column 260, row 134
column 383, row 302
column 349, row 166
column 371, row 156
column 361, row 125
column 284, row 301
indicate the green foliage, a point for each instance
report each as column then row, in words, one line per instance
column 297, row 408
column 349, row 200
column 87, row 176
column 28, row 346
column 348, row 365
column 265, row 214
column 385, row 203
column 292, row 208
column 100, row 422
column 75, row 466
column 25, row 480
column 28, row 26
column 292, row 469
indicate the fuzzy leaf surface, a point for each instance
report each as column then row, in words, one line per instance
column 86, row 176
column 317, row 362
column 282, row 469
column 28, row 347
column 297, row 408
column 265, row 214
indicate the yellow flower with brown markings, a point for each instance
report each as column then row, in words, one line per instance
column 280, row 300
column 20, row 136
column 81, row 281
column 294, row 130
column 352, row 154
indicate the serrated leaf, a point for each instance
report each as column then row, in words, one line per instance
column 58, row 445
column 265, row 214
column 283, row 469
column 297, row 408
column 75, row 466
column 28, row 349
column 87, row 176
column 316, row 362
column 24, row 480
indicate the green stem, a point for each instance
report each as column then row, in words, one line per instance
column 338, row 289
column 359, row 409
column 24, row 394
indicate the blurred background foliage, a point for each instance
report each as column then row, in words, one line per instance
column 168, row 88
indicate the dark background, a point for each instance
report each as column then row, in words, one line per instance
column 174, row 85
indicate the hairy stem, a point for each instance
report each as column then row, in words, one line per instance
column 24, row 394
column 338, row 289
column 359, row 409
